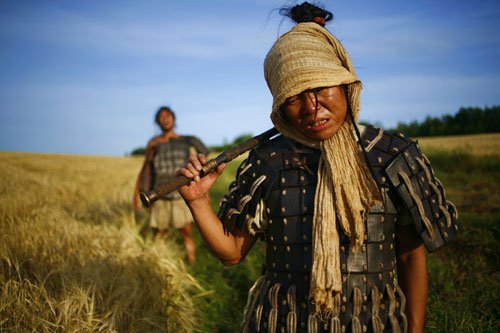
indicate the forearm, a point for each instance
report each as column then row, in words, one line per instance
column 223, row 244
column 413, row 280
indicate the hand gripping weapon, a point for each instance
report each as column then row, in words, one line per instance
column 174, row 183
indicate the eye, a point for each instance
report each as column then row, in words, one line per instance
column 292, row 100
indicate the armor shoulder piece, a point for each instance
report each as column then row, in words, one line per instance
column 242, row 207
column 411, row 175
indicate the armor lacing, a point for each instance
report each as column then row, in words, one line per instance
column 440, row 194
column 291, row 319
column 356, row 310
column 335, row 320
column 273, row 314
column 418, row 203
column 376, row 322
column 375, row 140
column 392, row 309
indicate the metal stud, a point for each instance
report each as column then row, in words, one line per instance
column 283, row 192
column 285, row 221
column 272, row 154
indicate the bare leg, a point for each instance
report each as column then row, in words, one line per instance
column 160, row 234
column 187, row 234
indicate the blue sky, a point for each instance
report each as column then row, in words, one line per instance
column 86, row 77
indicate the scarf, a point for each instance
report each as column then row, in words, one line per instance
column 309, row 57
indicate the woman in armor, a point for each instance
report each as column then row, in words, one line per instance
column 346, row 210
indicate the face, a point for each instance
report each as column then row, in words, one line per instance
column 317, row 113
column 166, row 120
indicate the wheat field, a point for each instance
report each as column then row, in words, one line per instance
column 71, row 255
column 74, row 256
column 476, row 144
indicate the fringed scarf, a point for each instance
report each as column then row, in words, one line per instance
column 308, row 57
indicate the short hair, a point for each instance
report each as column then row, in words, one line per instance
column 163, row 108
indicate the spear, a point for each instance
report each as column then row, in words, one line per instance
column 175, row 182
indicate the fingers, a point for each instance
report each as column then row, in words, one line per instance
column 194, row 166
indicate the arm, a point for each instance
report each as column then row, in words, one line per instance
column 143, row 174
column 230, row 248
column 412, row 276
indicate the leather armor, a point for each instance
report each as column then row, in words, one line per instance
column 273, row 196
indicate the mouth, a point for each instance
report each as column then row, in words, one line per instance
column 318, row 125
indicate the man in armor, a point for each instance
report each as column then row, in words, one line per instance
column 345, row 210
column 165, row 154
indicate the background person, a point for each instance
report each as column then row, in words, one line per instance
column 165, row 154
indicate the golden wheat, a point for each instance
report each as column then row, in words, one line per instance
column 71, row 257
column 476, row 144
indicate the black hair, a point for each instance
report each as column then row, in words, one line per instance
column 163, row 108
column 307, row 12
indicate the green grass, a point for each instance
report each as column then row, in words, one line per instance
column 464, row 277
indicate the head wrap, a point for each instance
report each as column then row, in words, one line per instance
column 309, row 57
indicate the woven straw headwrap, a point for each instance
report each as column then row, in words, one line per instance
column 309, row 57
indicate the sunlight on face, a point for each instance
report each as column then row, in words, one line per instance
column 317, row 113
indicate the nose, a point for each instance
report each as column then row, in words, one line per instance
column 309, row 104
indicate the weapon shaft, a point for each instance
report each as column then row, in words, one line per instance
column 174, row 183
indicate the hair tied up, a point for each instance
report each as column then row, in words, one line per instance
column 320, row 20
column 307, row 12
